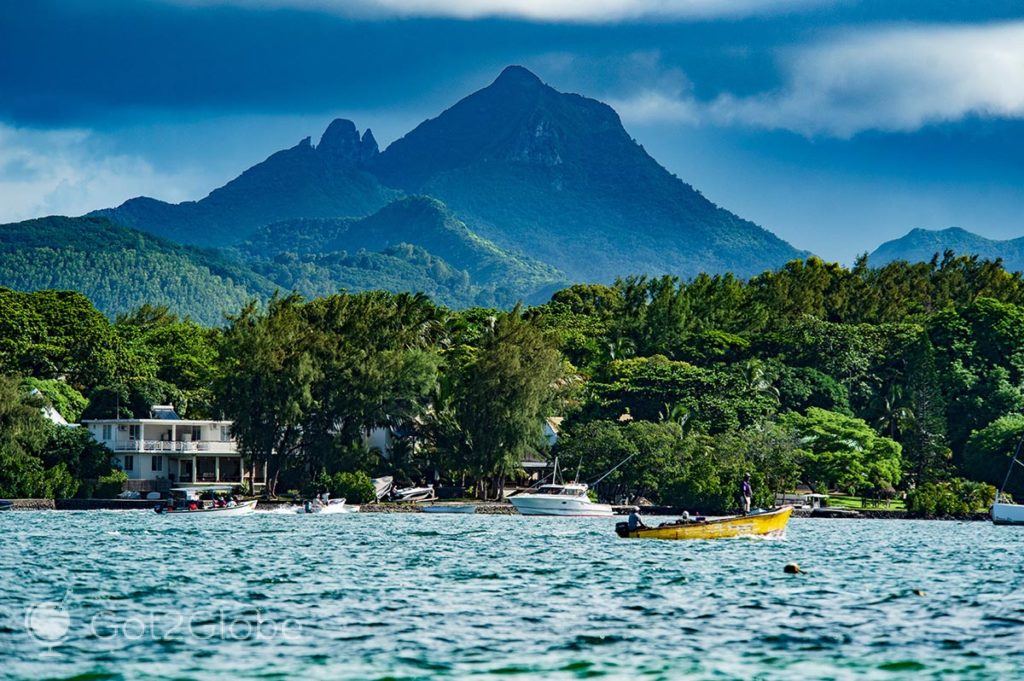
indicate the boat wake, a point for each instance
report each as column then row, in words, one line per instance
column 779, row 536
column 330, row 509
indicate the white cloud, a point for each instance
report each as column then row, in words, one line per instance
column 534, row 10
column 896, row 79
column 652, row 106
column 66, row 172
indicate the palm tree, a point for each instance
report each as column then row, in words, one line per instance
column 756, row 380
column 896, row 416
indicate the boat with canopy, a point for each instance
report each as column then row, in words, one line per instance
column 204, row 501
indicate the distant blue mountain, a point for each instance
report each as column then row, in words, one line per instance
column 532, row 170
column 921, row 245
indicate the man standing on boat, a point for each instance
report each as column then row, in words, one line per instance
column 746, row 493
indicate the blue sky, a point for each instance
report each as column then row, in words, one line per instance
column 837, row 124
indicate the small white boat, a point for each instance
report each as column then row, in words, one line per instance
column 448, row 508
column 569, row 499
column 241, row 508
column 386, row 491
column 185, row 501
column 330, row 508
column 1003, row 512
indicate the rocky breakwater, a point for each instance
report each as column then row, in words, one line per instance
column 487, row 508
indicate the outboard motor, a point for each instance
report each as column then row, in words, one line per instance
column 622, row 529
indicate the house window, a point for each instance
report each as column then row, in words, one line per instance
column 129, row 463
column 106, row 432
column 134, row 432
column 225, row 434
column 157, row 463
column 197, row 433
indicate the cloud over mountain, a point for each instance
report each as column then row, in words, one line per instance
column 894, row 79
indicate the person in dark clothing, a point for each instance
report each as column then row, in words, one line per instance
column 746, row 493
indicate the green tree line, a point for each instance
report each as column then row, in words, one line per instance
column 905, row 379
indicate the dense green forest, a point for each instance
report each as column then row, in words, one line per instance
column 412, row 244
column 121, row 269
column 902, row 380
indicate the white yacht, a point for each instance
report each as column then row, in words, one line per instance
column 560, row 499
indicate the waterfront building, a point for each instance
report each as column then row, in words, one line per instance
column 165, row 450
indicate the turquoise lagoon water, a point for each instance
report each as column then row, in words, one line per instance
column 134, row 595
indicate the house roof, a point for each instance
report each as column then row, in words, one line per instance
column 178, row 422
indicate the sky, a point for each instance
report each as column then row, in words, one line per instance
column 837, row 124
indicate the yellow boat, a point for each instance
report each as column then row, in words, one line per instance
column 765, row 523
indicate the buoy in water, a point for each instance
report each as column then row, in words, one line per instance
column 792, row 569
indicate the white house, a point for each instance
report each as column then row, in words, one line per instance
column 165, row 450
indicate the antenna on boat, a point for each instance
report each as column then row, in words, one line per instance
column 617, row 466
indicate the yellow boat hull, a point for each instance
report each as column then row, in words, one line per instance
column 760, row 524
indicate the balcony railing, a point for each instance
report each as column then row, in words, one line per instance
column 172, row 446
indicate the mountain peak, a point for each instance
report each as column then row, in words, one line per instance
column 340, row 143
column 517, row 76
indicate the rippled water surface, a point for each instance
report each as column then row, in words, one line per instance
column 136, row 595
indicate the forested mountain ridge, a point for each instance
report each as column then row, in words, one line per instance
column 395, row 249
column 921, row 245
column 385, row 250
column 120, row 269
column 328, row 180
column 531, row 169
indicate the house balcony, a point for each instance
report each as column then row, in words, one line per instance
column 173, row 446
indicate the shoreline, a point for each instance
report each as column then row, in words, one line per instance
column 482, row 507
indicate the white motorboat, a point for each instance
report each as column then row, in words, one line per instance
column 240, row 508
column 330, row 508
column 414, row 494
column 386, row 491
column 186, row 501
column 563, row 499
column 1004, row 512
column 448, row 508
column 569, row 499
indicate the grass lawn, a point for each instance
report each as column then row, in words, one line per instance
column 839, row 501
